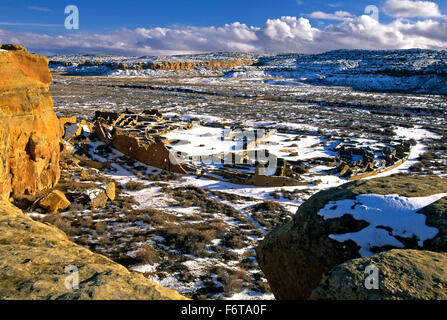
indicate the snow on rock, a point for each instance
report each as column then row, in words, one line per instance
column 383, row 213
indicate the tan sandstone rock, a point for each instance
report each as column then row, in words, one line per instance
column 29, row 129
column 401, row 275
column 98, row 198
column 295, row 256
column 110, row 190
column 35, row 259
column 55, row 202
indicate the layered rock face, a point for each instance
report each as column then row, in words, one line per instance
column 29, row 129
column 402, row 275
column 160, row 65
column 36, row 261
column 294, row 257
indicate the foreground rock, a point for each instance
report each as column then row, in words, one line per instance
column 295, row 256
column 29, row 129
column 55, row 202
column 111, row 191
column 98, row 198
column 403, row 275
column 35, row 257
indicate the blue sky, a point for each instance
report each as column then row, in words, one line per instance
column 315, row 22
column 103, row 16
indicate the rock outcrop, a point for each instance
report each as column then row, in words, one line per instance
column 402, row 275
column 295, row 256
column 36, row 261
column 159, row 65
column 55, row 202
column 29, row 129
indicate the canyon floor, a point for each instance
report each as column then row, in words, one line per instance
column 197, row 235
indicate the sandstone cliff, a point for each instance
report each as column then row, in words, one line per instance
column 294, row 257
column 34, row 258
column 159, row 65
column 29, row 128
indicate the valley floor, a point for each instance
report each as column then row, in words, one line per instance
column 198, row 235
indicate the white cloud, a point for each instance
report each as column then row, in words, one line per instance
column 338, row 15
column 335, row 5
column 36, row 25
column 43, row 9
column 287, row 34
column 287, row 28
column 411, row 9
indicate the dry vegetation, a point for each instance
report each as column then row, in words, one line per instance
column 188, row 223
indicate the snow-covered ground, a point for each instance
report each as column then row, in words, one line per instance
column 421, row 71
column 321, row 99
column 391, row 211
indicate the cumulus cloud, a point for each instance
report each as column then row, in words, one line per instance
column 287, row 28
column 338, row 15
column 286, row 34
column 411, row 9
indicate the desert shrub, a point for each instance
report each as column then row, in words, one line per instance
column 219, row 227
column 417, row 167
column 185, row 203
column 86, row 222
column 165, row 176
column 275, row 195
column 232, row 280
column 192, row 239
column 148, row 254
column 270, row 205
column 100, row 227
column 247, row 261
column 104, row 241
column 427, row 156
column 76, row 207
column 126, row 203
column 135, row 186
column 155, row 217
column 234, row 240
column 196, row 197
column 231, row 196
column 62, row 224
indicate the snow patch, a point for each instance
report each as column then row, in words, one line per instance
column 389, row 211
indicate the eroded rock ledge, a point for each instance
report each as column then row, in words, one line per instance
column 29, row 129
column 34, row 258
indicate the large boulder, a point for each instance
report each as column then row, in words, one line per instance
column 401, row 275
column 37, row 261
column 326, row 231
column 54, row 202
column 30, row 131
